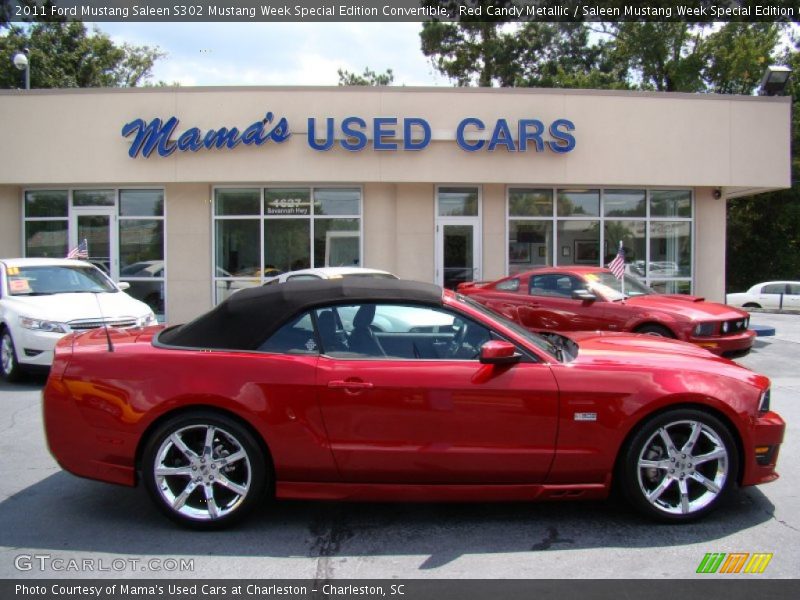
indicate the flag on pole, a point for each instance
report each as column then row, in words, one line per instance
column 80, row 251
column 617, row 266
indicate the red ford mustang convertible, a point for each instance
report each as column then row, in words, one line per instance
column 393, row 390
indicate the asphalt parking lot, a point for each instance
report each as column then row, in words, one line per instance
column 116, row 532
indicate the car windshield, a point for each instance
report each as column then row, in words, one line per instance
column 610, row 288
column 529, row 336
column 56, row 279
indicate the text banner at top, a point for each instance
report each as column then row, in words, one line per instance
column 403, row 10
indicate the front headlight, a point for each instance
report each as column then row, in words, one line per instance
column 147, row 320
column 42, row 325
column 705, row 329
column 763, row 402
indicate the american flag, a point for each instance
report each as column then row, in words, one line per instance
column 617, row 266
column 79, row 251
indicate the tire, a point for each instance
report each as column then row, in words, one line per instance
column 751, row 305
column 197, row 470
column 656, row 330
column 10, row 369
column 666, row 482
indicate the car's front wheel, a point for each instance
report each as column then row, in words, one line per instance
column 9, row 366
column 679, row 465
column 204, row 470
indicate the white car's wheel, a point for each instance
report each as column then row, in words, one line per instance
column 9, row 366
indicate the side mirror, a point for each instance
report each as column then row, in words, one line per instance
column 583, row 295
column 498, row 352
column 123, row 286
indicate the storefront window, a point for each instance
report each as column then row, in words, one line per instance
column 577, row 203
column 46, row 203
column 530, row 203
column 632, row 234
column 530, row 244
column 336, row 243
column 670, row 249
column 141, row 246
column 458, row 202
column 46, row 239
column 230, row 202
column 130, row 248
column 579, row 242
column 263, row 232
column 287, row 245
column 624, row 203
column 656, row 237
column 94, row 198
column 670, row 203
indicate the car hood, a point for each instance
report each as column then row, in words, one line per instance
column 69, row 307
column 692, row 307
column 602, row 348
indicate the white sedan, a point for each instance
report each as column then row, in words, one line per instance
column 329, row 273
column 770, row 294
column 43, row 299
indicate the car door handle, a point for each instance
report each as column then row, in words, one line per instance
column 351, row 385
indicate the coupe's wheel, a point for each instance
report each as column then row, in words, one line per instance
column 9, row 367
column 656, row 330
column 679, row 465
column 204, row 470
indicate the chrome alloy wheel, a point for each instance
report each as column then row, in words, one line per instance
column 683, row 467
column 202, row 472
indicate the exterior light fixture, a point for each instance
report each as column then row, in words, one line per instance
column 21, row 62
column 774, row 81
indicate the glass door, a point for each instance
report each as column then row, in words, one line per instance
column 97, row 226
column 458, row 252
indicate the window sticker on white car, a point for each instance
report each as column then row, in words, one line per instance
column 19, row 286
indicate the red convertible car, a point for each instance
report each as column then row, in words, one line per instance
column 591, row 299
column 394, row 390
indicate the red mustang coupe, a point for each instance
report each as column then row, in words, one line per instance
column 591, row 299
column 398, row 391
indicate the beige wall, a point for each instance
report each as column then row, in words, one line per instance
column 188, row 248
column 709, row 245
column 623, row 138
column 10, row 221
column 380, row 234
column 414, row 218
column 494, row 231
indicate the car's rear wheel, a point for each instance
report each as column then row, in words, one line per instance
column 204, row 470
column 9, row 366
column 679, row 465
column 751, row 305
column 656, row 330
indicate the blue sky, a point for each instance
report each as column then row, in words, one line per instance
column 279, row 53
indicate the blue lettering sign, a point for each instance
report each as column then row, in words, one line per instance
column 408, row 136
column 502, row 137
column 562, row 136
column 327, row 141
column 526, row 136
column 461, row 141
column 355, row 138
column 157, row 136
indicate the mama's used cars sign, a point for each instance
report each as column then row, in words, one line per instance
column 352, row 133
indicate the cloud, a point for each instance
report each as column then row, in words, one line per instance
column 279, row 53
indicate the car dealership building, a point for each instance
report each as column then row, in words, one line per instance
column 193, row 193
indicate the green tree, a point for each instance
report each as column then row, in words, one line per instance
column 64, row 54
column 369, row 77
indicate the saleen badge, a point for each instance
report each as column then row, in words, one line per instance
column 586, row 416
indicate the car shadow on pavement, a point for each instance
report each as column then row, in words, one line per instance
column 63, row 512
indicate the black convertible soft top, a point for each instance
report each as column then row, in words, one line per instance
column 246, row 319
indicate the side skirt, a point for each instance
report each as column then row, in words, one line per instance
column 389, row 492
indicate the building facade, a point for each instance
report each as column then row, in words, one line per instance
column 192, row 193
